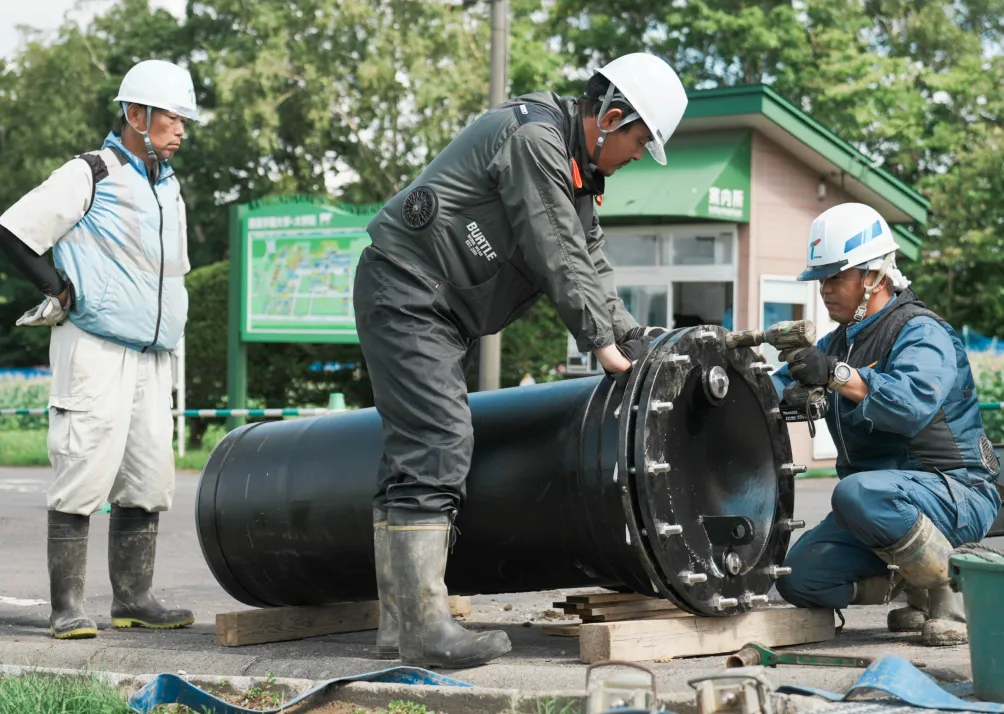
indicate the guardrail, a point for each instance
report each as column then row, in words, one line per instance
column 201, row 413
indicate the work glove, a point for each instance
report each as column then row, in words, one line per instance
column 46, row 314
column 634, row 350
column 808, row 366
column 638, row 332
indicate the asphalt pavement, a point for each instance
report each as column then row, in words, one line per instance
column 538, row 662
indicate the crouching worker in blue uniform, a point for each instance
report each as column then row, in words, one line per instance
column 917, row 472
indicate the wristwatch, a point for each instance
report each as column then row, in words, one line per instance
column 841, row 376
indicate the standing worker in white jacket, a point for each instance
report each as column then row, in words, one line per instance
column 117, row 305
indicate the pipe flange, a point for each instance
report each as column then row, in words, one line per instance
column 682, row 460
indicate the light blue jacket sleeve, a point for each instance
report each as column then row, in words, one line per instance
column 918, row 376
column 782, row 378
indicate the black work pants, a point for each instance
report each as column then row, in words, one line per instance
column 417, row 360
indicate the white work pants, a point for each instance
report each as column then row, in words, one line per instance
column 110, row 425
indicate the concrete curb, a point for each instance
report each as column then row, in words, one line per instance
column 376, row 695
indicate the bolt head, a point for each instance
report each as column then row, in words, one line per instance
column 668, row 529
column 718, row 382
column 733, row 563
column 777, row 571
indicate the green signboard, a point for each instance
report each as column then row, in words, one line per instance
column 298, row 262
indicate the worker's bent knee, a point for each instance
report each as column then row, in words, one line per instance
column 873, row 506
column 795, row 590
column 816, row 578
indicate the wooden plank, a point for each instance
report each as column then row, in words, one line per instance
column 279, row 624
column 560, row 630
column 696, row 636
column 655, row 615
column 460, row 605
column 639, row 607
column 595, row 598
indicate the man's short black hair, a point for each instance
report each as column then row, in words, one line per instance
column 596, row 90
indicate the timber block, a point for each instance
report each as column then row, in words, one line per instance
column 281, row 624
column 695, row 636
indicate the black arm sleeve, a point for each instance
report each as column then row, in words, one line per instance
column 33, row 267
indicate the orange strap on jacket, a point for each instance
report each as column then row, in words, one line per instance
column 576, row 176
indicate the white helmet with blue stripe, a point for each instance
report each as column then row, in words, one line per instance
column 852, row 235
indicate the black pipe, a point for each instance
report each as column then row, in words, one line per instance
column 575, row 483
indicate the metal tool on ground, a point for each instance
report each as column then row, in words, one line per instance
column 755, row 654
column 798, row 403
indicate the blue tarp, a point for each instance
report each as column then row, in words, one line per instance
column 898, row 678
column 172, row 689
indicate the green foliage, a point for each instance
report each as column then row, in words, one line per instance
column 988, row 371
column 24, row 394
column 536, row 345
column 40, row 694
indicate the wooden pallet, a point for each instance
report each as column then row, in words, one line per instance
column 280, row 624
column 637, row 628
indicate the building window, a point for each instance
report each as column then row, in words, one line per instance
column 646, row 302
column 675, row 276
column 782, row 298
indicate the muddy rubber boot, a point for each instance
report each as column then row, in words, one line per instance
column 387, row 631
column 132, row 547
column 429, row 636
column 921, row 557
column 67, row 556
column 912, row 617
column 878, row 590
column 946, row 625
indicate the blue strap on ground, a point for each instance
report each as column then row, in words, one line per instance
column 172, row 689
column 899, row 678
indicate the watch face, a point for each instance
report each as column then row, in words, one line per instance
column 842, row 372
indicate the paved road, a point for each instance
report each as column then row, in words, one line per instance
column 537, row 663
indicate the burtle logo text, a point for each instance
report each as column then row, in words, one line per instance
column 477, row 242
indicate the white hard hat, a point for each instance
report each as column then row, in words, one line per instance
column 654, row 91
column 156, row 83
column 851, row 235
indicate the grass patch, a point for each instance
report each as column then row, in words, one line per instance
column 25, row 447
column 29, row 447
column 819, row 473
column 551, row 706
column 39, row 694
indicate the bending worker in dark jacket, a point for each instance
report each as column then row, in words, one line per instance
column 917, row 470
column 501, row 217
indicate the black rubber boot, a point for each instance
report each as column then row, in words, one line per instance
column 132, row 547
column 429, row 637
column 67, row 555
column 387, row 632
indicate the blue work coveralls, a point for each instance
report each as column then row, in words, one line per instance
column 883, row 486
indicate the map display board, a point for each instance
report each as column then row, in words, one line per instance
column 299, row 258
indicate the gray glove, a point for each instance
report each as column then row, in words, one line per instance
column 47, row 314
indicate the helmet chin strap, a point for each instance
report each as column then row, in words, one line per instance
column 859, row 314
column 155, row 160
column 611, row 94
